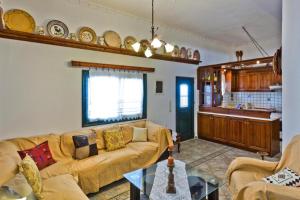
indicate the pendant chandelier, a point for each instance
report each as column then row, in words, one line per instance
column 149, row 47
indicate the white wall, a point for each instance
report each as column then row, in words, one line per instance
column 40, row 93
column 291, row 69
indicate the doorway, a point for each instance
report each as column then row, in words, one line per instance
column 185, row 107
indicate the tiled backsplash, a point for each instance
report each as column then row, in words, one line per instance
column 257, row 99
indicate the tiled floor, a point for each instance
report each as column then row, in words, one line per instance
column 201, row 155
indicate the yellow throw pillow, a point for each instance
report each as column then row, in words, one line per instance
column 139, row 134
column 127, row 133
column 114, row 140
column 32, row 175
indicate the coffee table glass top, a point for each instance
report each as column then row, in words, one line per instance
column 201, row 183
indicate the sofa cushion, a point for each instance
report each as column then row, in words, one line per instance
column 9, row 160
column 30, row 142
column 62, row 187
column 67, row 145
column 241, row 178
column 145, row 150
column 113, row 139
column 58, row 168
column 139, row 123
column 153, row 130
column 127, row 133
column 139, row 134
column 105, row 168
column 85, row 145
column 19, row 185
column 100, row 135
column 41, row 155
column 29, row 169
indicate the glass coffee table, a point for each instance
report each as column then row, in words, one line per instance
column 202, row 185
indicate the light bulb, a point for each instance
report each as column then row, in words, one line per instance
column 156, row 43
column 169, row 48
column 136, row 46
column 148, row 52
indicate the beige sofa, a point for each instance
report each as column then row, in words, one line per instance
column 245, row 176
column 59, row 179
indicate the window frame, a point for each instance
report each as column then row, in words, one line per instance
column 84, row 97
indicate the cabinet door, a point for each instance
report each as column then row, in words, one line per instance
column 237, row 131
column 243, row 81
column 259, row 135
column 266, row 79
column 220, row 128
column 254, row 82
column 205, row 126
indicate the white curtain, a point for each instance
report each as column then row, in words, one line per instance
column 115, row 95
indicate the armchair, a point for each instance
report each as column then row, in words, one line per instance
column 245, row 175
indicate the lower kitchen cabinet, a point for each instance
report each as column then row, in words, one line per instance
column 237, row 131
column 205, row 126
column 220, row 128
column 258, row 135
column 251, row 134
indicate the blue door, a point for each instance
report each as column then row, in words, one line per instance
column 185, row 107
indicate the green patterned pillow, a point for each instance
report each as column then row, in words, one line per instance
column 114, row 140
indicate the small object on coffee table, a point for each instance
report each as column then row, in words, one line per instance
column 171, row 189
column 171, row 184
column 170, row 158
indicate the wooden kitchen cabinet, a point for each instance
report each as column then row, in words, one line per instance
column 251, row 80
column 220, row 125
column 258, row 134
column 237, row 131
column 205, row 126
column 254, row 135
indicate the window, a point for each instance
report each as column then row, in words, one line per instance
column 184, row 95
column 112, row 96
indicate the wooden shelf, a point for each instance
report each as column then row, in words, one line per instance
column 262, row 60
column 80, row 64
column 29, row 37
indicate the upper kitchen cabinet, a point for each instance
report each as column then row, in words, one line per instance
column 251, row 80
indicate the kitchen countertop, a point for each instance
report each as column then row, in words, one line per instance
column 272, row 118
column 250, row 109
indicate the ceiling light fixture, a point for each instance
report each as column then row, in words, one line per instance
column 155, row 42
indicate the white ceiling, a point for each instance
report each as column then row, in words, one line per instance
column 216, row 19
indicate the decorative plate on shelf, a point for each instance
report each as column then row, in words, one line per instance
column 87, row 35
column 19, row 20
column 112, row 39
column 57, row 28
column 189, row 53
column 196, row 55
column 183, row 52
column 129, row 41
column 144, row 44
column 176, row 51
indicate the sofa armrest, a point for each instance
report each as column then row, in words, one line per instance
column 261, row 190
column 159, row 134
column 246, row 163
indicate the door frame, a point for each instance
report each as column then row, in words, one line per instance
column 192, row 105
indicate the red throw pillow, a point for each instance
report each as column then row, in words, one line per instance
column 41, row 155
